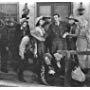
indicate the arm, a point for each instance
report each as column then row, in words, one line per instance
column 22, row 46
column 66, row 30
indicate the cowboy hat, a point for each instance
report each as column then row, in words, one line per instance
column 72, row 18
column 22, row 20
column 38, row 19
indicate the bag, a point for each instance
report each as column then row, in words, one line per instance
column 78, row 75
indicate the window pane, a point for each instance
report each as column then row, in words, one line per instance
column 8, row 10
column 45, row 10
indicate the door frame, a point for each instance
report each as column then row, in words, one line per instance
column 52, row 6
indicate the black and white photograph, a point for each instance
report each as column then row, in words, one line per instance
column 44, row 44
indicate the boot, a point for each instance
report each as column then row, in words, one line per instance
column 20, row 76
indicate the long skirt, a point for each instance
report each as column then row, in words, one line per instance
column 81, row 45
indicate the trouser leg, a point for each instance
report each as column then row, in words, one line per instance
column 60, row 45
column 24, row 65
column 4, row 57
column 41, row 48
column 21, row 70
column 15, row 59
column 54, row 46
column 21, row 67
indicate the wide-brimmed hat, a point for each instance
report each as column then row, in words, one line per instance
column 58, row 56
column 22, row 20
column 72, row 18
column 38, row 19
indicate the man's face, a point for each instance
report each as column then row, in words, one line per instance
column 56, row 18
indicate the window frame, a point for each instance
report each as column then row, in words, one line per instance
column 52, row 6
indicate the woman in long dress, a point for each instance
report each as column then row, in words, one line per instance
column 39, row 33
column 82, row 40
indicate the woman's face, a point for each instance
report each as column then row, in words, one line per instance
column 41, row 22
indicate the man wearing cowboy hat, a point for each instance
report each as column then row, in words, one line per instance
column 71, row 40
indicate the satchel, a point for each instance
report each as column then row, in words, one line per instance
column 78, row 75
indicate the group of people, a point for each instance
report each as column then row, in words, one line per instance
column 36, row 49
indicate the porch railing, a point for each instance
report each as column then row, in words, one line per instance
column 67, row 54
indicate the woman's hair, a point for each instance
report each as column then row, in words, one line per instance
column 38, row 23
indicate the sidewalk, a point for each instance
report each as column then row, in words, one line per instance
column 11, row 79
column 7, row 83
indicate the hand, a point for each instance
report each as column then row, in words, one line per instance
column 7, row 48
column 35, row 55
column 58, row 64
column 22, row 55
column 65, row 34
column 51, row 72
column 42, row 39
column 58, row 56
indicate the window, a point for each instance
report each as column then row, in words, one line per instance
column 49, row 8
column 45, row 10
column 9, row 10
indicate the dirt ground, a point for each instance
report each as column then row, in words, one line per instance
column 11, row 80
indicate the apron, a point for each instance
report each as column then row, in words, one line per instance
column 88, row 49
column 82, row 44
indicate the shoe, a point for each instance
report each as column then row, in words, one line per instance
column 21, row 79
